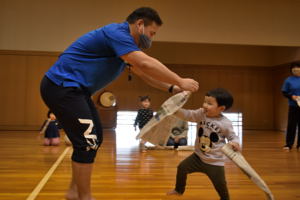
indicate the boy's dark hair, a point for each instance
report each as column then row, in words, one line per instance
column 294, row 64
column 223, row 97
column 147, row 14
column 143, row 98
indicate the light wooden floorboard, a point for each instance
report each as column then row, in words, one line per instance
column 126, row 173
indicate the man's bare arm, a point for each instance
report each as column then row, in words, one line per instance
column 157, row 71
column 155, row 83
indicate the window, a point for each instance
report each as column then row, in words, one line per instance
column 125, row 133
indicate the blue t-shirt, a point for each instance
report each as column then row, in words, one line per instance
column 93, row 60
column 291, row 86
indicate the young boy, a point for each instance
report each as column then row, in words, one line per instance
column 143, row 116
column 214, row 128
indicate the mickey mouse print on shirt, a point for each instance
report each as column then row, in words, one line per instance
column 207, row 135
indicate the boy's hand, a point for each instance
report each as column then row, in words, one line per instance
column 235, row 146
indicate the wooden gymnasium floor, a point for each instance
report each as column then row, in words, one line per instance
column 125, row 173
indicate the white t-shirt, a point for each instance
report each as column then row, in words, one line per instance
column 211, row 135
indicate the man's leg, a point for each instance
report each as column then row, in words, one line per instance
column 79, row 188
column 291, row 128
column 72, row 193
column 298, row 128
column 82, row 176
column 76, row 113
column 84, row 153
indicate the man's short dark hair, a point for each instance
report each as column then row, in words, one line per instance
column 294, row 64
column 223, row 97
column 148, row 14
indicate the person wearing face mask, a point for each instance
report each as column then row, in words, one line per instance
column 88, row 65
column 291, row 90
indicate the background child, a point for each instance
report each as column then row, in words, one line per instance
column 143, row 116
column 214, row 128
column 178, row 135
column 50, row 130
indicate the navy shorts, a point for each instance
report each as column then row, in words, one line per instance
column 78, row 116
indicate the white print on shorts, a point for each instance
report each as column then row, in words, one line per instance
column 91, row 139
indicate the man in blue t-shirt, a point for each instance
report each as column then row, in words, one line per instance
column 291, row 90
column 89, row 64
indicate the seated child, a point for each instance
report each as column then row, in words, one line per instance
column 178, row 134
column 50, row 130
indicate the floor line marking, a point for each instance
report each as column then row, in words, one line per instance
column 45, row 179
